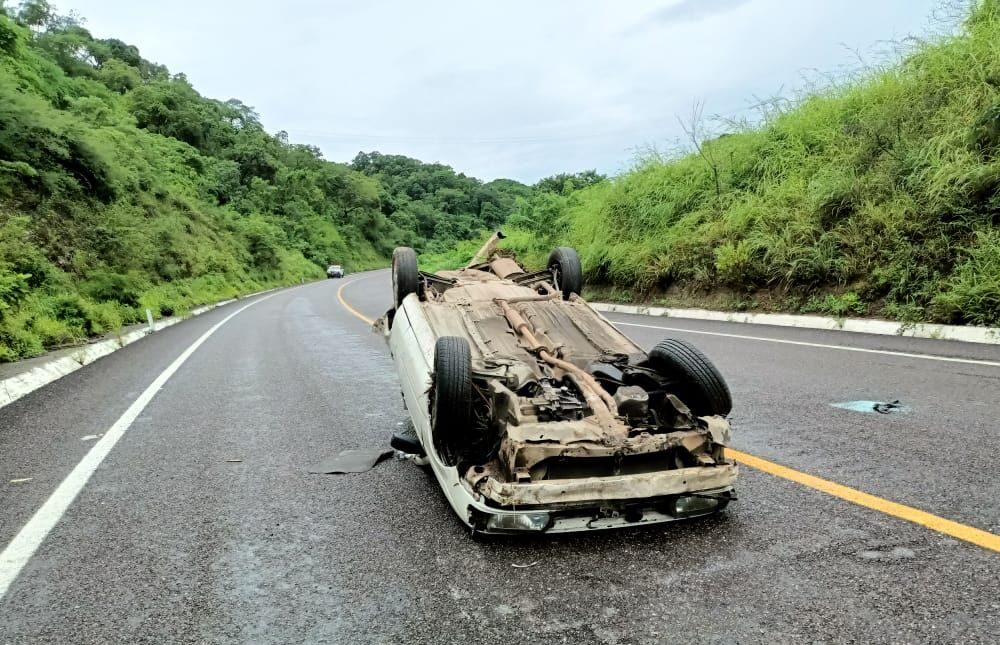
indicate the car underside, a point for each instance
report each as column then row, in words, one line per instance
column 541, row 415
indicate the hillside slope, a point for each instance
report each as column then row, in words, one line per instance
column 876, row 197
column 122, row 188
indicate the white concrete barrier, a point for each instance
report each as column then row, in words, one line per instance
column 989, row 335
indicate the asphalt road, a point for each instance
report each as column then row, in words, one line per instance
column 173, row 540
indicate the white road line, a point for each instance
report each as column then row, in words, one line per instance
column 929, row 357
column 31, row 536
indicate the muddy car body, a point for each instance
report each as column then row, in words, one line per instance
column 537, row 414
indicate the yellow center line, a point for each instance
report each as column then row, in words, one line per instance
column 953, row 529
column 976, row 536
column 348, row 307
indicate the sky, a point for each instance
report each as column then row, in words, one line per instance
column 518, row 89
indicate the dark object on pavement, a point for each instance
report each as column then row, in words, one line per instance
column 886, row 408
column 352, row 461
column 406, row 440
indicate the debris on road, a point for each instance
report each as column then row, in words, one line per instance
column 352, row 461
column 897, row 553
column 90, row 437
column 420, row 460
column 872, row 407
column 22, row 480
column 886, row 408
column 234, row 461
column 524, row 566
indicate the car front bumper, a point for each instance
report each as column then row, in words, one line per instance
column 593, row 503
column 599, row 516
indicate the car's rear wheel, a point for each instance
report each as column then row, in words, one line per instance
column 700, row 385
column 451, row 398
column 405, row 277
column 564, row 263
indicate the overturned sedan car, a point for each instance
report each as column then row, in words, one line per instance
column 536, row 414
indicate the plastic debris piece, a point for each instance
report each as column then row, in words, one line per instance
column 872, row 407
column 352, row 461
column 21, row 480
column 524, row 566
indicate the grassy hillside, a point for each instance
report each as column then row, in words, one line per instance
column 876, row 197
column 122, row 188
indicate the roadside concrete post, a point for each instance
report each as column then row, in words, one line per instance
column 149, row 319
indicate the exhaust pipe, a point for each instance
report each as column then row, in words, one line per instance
column 486, row 250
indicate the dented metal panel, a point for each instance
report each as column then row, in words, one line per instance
column 623, row 487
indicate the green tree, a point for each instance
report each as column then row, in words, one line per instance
column 119, row 76
column 35, row 14
column 565, row 183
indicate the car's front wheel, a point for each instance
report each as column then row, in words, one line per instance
column 700, row 385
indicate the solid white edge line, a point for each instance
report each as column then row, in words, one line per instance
column 962, row 333
column 929, row 357
column 20, row 550
column 16, row 386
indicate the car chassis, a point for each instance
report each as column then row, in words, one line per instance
column 536, row 414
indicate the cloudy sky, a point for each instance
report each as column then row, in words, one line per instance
column 519, row 89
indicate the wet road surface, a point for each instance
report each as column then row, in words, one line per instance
column 202, row 524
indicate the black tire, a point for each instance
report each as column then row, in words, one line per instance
column 700, row 384
column 567, row 273
column 451, row 398
column 405, row 278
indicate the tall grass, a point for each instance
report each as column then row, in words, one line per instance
column 885, row 187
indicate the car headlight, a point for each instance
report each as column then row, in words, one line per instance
column 518, row 522
column 692, row 505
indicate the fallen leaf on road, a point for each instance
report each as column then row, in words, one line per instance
column 524, row 566
column 21, row 481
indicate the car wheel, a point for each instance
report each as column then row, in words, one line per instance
column 405, row 277
column 567, row 274
column 701, row 386
column 451, row 398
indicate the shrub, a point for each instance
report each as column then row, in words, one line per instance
column 105, row 286
column 972, row 294
column 840, row 306
column 52, row 332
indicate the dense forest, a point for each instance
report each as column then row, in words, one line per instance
column 878, row 195
column 122, row 188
